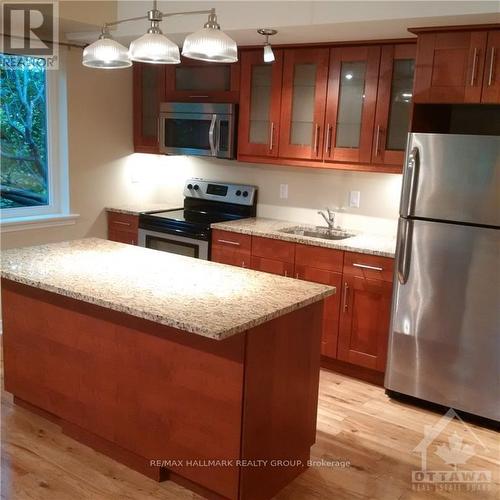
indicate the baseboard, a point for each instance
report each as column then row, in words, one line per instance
column 354, row 371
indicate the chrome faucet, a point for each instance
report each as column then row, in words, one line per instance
column 329, row 219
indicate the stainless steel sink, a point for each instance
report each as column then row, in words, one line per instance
column 319, row 232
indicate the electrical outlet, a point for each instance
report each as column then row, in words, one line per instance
column 354, row 197
column 283, row 191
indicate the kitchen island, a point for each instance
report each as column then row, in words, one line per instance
column 182, row 369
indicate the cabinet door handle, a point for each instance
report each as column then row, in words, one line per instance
column 346, row 290
column 474, row 64
column 366, row 266
column 377, row 141
column 243, row 263
column 297, row 276
column 121, row 223
column 227, row 242
column 197, row 96
column 328, row 138
column 492, row 64
column 316, row 138
column 286, row 274
column 271, row 137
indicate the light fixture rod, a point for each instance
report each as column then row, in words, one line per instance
column 163, row 14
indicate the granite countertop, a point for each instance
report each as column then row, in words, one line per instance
column 136, row 209
column 372, row 244
column 197, row 296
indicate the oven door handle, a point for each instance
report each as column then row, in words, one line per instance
column 211, row 135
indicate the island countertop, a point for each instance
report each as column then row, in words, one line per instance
column 197, row 296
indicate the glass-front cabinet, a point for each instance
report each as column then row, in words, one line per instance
column 394, row 101
column 260, row 104
column 149, row 87
column 305, row 73
column 350, row 109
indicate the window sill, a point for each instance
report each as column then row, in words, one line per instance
column 37, row 222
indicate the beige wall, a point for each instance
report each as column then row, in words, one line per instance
column 104, row 170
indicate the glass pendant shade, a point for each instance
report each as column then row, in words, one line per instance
column 211, row 45
column 154, row 48
column 106, row 53
column 268, row 54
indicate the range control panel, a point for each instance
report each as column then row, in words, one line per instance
column 220, row 191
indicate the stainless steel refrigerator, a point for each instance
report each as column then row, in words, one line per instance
column 444, row 339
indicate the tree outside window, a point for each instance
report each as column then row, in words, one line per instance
column 23, row 132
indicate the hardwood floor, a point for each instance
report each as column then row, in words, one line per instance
column 357, row 423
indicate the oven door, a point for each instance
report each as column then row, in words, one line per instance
column 197, row 134
column 180, row 245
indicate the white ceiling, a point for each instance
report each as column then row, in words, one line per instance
column 304, row 22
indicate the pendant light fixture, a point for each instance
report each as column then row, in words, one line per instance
column 210, row 43
column 154, row 47
column 268, row 51
column 106, row 53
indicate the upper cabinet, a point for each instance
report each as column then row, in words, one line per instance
column 457, row 67
column 149, row 87
column 305, row 73
column 350, row 107
column 394, row 103
column 197, row 81
column 260, row 108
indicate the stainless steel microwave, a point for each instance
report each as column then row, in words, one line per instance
column 197, row 129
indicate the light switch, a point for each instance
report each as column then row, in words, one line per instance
column 354, row 197
column 283, row 191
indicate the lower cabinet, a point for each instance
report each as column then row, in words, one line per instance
column 123, row 228
column 356, row 318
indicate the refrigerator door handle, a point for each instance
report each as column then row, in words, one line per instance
column 410, row 183
column 404, row 249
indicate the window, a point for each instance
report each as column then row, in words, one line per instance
column 33, row 182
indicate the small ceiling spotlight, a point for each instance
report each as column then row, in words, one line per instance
column 268, row 51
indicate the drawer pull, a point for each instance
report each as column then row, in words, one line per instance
column 474, row 65
column 227, row 242
column 121, row 223
column 366, row 266
column 492, row 65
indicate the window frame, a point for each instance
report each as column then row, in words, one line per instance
column 57, row 159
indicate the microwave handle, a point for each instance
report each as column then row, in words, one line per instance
column 211, row 135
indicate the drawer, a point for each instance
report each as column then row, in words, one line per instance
column 319, row 257
column 122, row 236
column 123, row 222
column 268, row 248
column 231, row 240
column 368, row 266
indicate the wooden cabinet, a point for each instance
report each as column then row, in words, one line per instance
column 231, row 248
column 273, row 256
column 365, row 310
column 303, row 98
column 123, row 228
column 491, row 81
column 198, row 81
column 450, row 66
column 352, row 97
column 394, row 102
column 148, row 92
column 261, row 104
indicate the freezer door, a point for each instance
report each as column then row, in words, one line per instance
column 452, row 178
column 444, row 339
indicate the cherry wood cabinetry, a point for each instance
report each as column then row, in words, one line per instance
column 148, row 93
column 491, row 84
column 123, row 228
column 394, row 102
column 260, row 107
column 355, row 320
column 365, row 310
column 231, row 248
column 352, row 97
column 198, row 81
column 457, row 66
column 305, row 73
